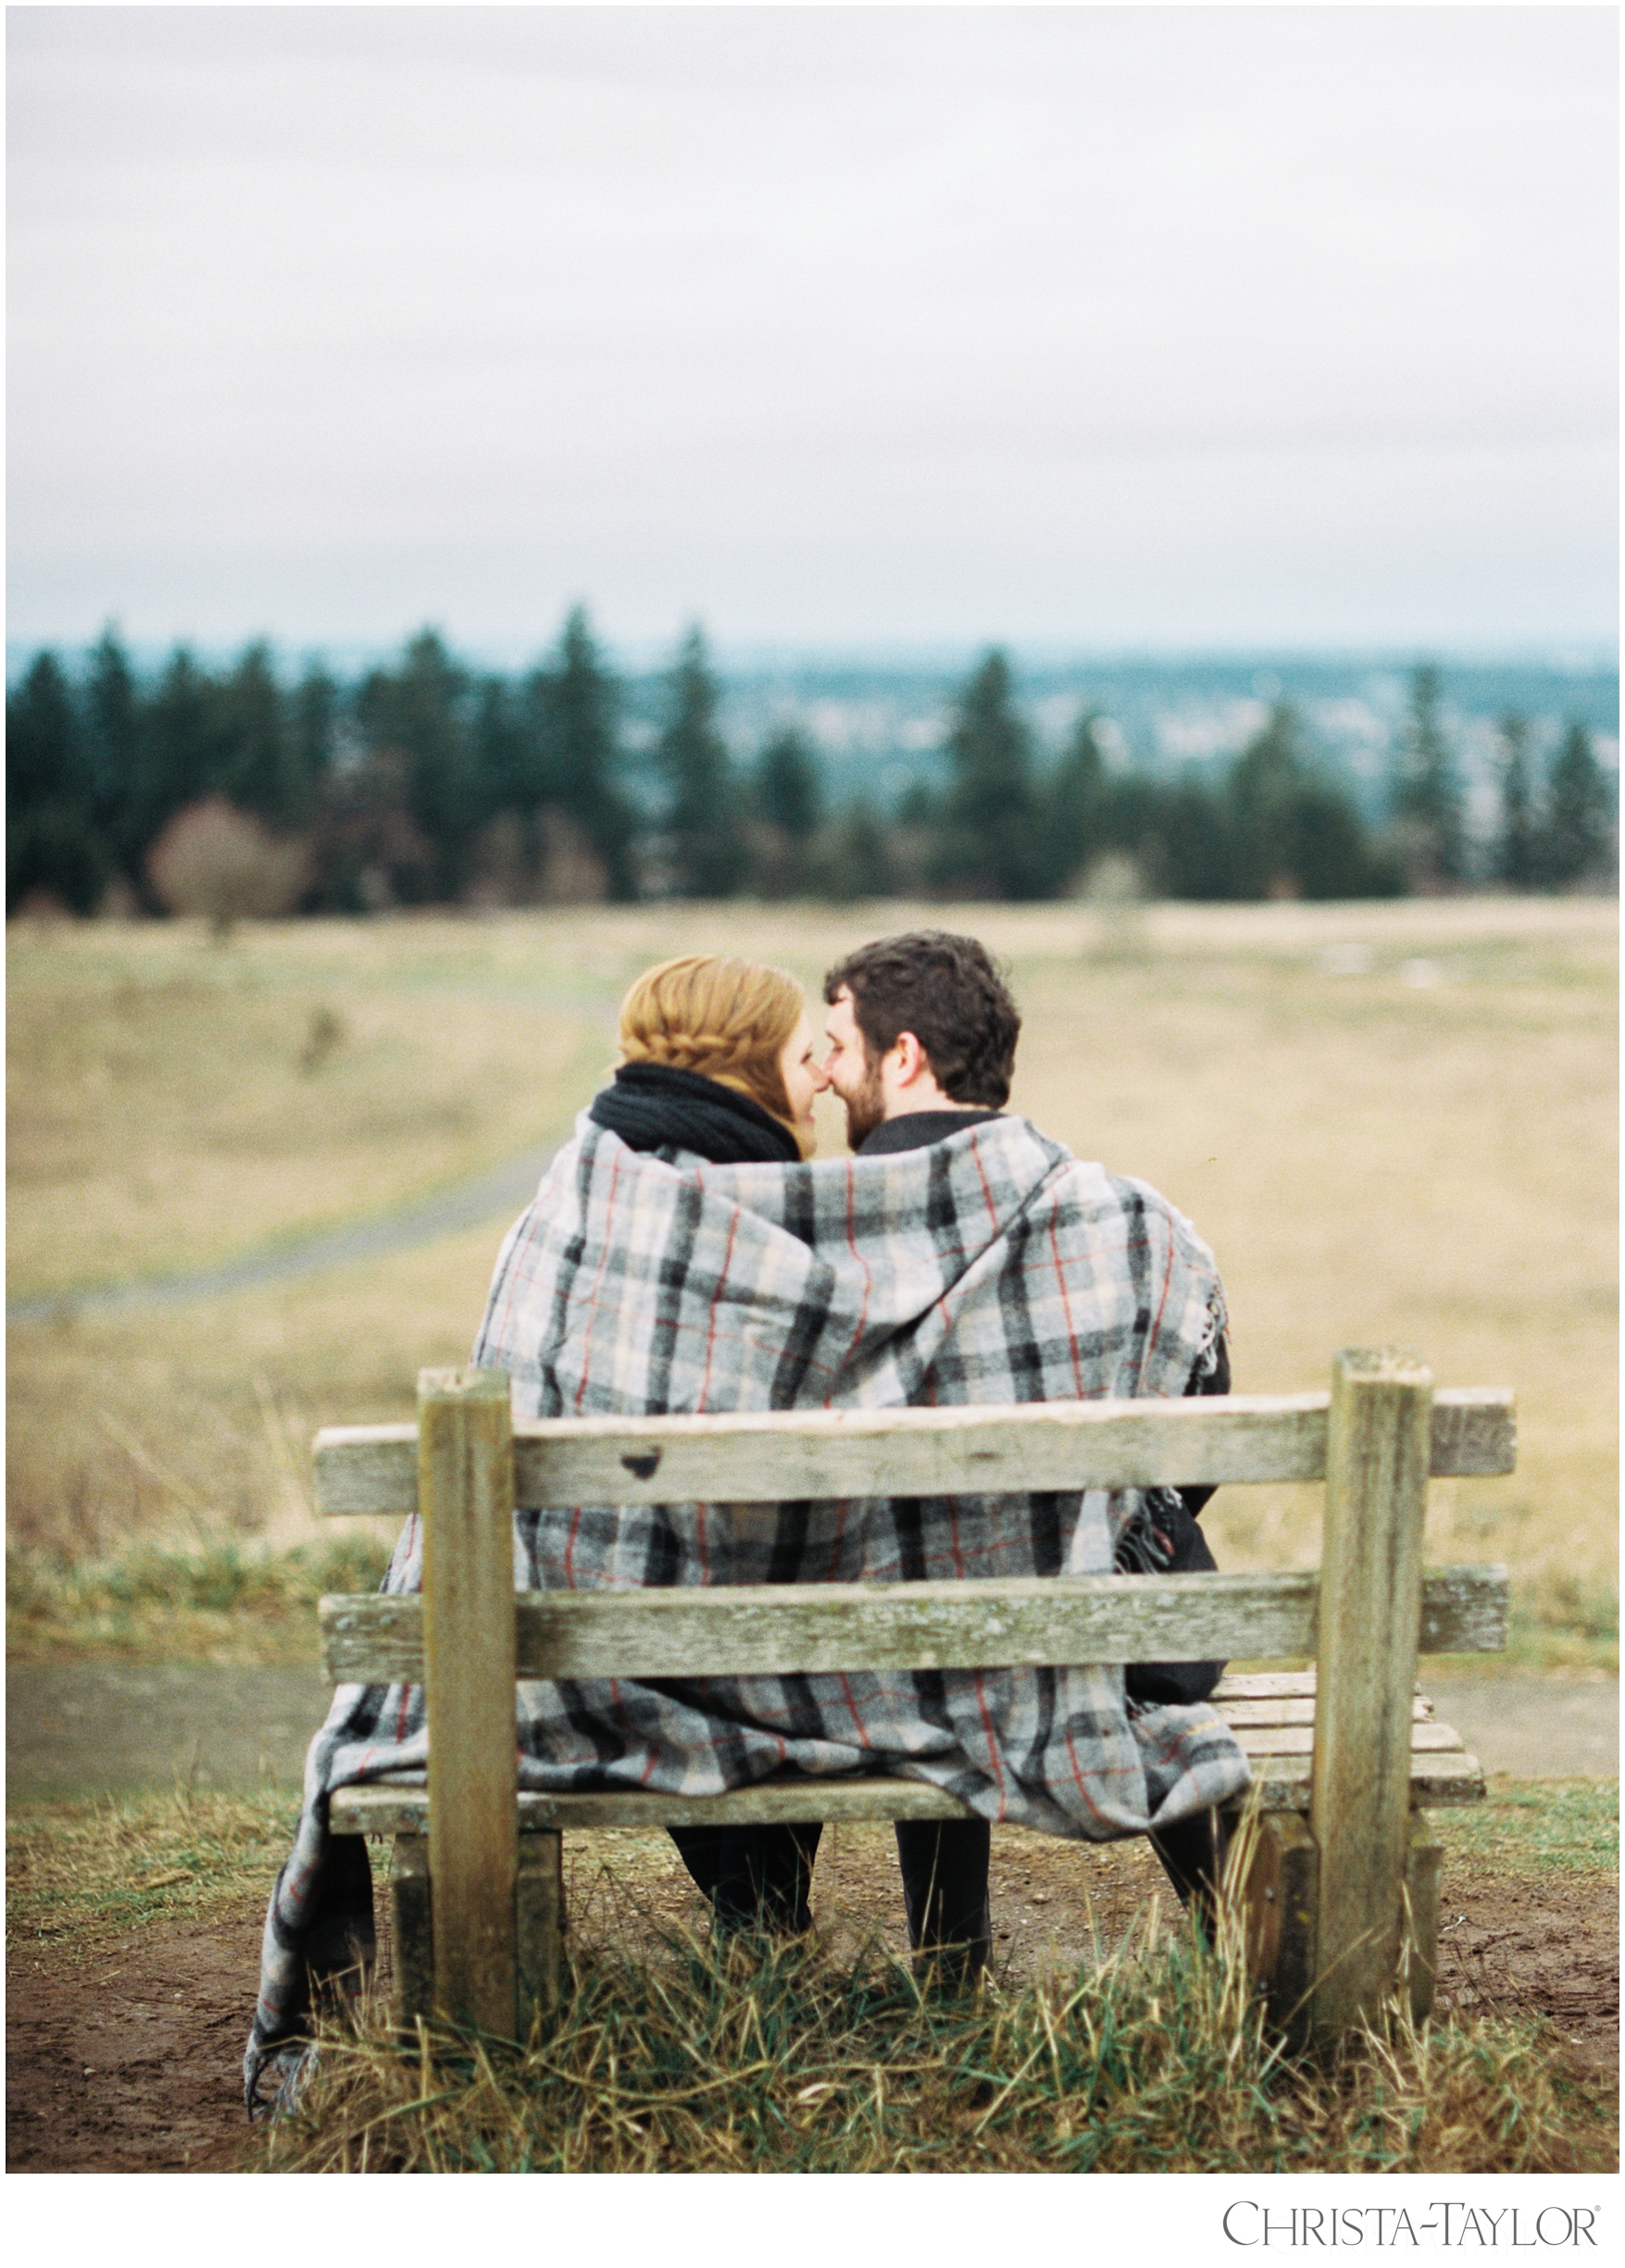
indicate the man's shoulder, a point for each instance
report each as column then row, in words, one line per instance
column 921, row 1130
column 1149, row 1203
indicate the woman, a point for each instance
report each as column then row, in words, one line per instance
column 718, row 1065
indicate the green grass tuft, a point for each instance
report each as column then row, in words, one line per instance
column 1536, row 1826
column 226, row 1599
column 77, row 1871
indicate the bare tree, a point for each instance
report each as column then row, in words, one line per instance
column 224, row 864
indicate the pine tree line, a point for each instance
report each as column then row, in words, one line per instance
column 426, row 783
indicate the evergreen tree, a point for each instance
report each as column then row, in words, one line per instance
column 1576, row 843
column 1427, row 802
column 575, row 707
column 52, row 839
column 1077, row 804
column 180, row 754
column 115, row 726
column 1133, row 823
column 1336, row 857
column 505, row 763
column 314, row 723
column 1262, row 793
column 258, row 765
column 708, row 854
column 415, row 716
column 855, row 858
column 786, row 798
column 992, row 843
column 919, row 806
column 1193, row 831
column 789, row 787
column 1292, row 832
column 1517, row 847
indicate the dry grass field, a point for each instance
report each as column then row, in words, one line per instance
column 1392, row 1122
column 1099, row 2043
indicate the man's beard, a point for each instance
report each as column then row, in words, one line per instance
column 866, row 1109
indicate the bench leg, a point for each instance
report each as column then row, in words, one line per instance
column 539, row 1925
column 1420, row 1957
column 538, row 1928
column 412, row 1917
column 1279, row 1903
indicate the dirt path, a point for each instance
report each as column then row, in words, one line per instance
column 73, row 1725
column 505, row 1190
column 124, row 2055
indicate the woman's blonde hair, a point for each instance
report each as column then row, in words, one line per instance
column 727, row 1020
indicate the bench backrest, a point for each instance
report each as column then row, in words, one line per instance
column 1375, row 1439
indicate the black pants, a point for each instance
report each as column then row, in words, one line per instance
column 1193, row 1859
column 759, row 1877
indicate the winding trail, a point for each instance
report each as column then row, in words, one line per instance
column 508, row 1187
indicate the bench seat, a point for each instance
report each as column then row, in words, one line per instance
column 1272, row 1715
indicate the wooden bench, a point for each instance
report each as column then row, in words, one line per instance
column 1346, row 1758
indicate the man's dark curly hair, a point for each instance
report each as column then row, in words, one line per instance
column 947, row 991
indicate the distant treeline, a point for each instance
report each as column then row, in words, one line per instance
column 229, row 792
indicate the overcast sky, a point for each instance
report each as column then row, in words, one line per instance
column 1088, row 326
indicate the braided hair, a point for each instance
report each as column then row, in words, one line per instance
column 727, row 1020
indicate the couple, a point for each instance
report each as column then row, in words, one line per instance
column 684, row 1253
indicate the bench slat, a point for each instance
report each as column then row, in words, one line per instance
column 386, row 1809
column 1236, row 1684
column 1425, row 1738
column 1287, row 1709
column 1437, row 1781
column 1446, row 1781
column 790, row 1629
column 760, row 1457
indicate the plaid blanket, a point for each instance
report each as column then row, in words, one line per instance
column 992, row 1267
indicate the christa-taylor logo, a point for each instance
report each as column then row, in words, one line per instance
column 1448, row 2223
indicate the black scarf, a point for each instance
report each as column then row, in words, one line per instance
column 654, row 1105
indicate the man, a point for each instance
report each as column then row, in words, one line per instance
column 922, row 1034
column 978, row 1262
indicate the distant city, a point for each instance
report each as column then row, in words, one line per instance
column 879, row 721
column 880, row 728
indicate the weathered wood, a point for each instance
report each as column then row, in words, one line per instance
column 1351, row 1744
column 758, row 1457
column 413, row 1926
column 397, row 1807
column 1440, row 1781
column 762, row 1629
column 1377, row 1456
column 1419, row 1955
column 1289, row 1709
column 394, row 1807
column 539, row 1927
column 1280, row 1897
column 1236, row 1684
column 1427, row 1739
column 466, row 1488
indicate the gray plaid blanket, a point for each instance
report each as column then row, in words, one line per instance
column 992, row 1267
